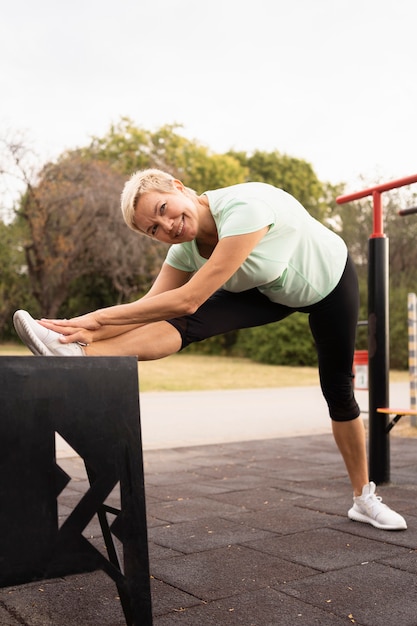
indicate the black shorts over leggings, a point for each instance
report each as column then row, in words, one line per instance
column 333, row 323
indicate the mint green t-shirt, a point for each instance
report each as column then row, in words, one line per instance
column 297, row 263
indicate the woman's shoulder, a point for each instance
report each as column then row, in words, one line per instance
column 242, row 193
column 250, row 189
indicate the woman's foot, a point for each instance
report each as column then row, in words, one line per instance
column 40, row 340
column 369, row 508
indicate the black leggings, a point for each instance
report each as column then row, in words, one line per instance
column 333, row 323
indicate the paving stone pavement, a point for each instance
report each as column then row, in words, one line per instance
column 251, row 533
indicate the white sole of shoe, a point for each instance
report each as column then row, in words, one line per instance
column 22, row 322
column 358, row 517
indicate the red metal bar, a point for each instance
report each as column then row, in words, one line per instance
column 375, row 192
column 400, row 182
column 378, row 220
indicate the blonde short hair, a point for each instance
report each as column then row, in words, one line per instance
column 139, row 183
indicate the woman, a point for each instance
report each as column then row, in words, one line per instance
column 242, row 256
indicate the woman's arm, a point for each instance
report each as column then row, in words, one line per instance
column 167, row 300
column 168, row 278
column 227, row 257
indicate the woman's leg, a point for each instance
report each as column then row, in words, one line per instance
column 225, row 311
column 351, row 441
column 147, row 342
column 333, row 323
column 222, row 313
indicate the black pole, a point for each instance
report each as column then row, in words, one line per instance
column 410, row 211
column 378, row 347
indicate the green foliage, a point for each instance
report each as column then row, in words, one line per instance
column 129, row 148
column 14, row 283
column 125, row 147
column 398, row 326
column 288, row 342
column 221, row 345
column 88, row 293
column 294, row 175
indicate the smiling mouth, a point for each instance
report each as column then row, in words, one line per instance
column 180, row 228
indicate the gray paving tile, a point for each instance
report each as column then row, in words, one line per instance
column 257, row 499
column 192, row 509
column 67, row 601
column 169, row 599
column 405, row 538
column 170, row 478
column 402, row 451
column 400, row 498
column 372, row 594
column 155, row 521
column 405, row 476
column 158, row 551
column 230, row 470
column 206, row 534
column 316, row 486
column 286, row 520
column 320, row 459
column 236, row 480
column 183, row 491
column 265, row 607
column 326, row 549
column 7, row 618
column 225, row 572
column 333, row 505
column 406, row 562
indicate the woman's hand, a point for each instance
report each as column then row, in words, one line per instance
column 78, row 329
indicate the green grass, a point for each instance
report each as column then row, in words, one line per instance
column 191, row 372
column 13, row 349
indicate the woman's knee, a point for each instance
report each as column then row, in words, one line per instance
column 338, row 393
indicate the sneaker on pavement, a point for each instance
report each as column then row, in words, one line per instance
column 369, row 508
column 40, row 340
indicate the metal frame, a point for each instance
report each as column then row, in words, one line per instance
column 93, row 403
column 378, row 328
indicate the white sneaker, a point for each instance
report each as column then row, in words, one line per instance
column 368, row 508
column 42, row 341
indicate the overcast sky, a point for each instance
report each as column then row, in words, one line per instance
column 329, row 81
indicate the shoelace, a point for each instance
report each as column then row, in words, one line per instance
column 371, row 501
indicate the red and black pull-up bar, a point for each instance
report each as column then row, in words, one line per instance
column 378, row 326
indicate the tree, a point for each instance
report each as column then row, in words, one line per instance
column 75, row 229
column 402, row 233
column 14, row 284
column 294, row 175
column 128, row 148
column 18, row 167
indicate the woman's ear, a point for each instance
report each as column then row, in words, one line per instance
column 178, row 184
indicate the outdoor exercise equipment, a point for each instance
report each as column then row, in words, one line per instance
column 409, row 211
column 378, row 329
column 94, row 405
column 412, row 351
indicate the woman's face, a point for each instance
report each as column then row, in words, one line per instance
column 169, row 217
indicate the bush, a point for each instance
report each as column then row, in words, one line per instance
column 288, row 342
column 398, row 328
column 220, row 345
